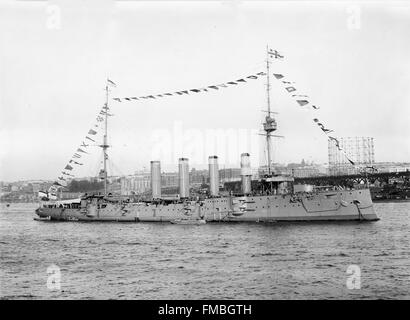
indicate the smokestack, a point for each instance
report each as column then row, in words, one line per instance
column 183, row 169
column 213, row 175
column 156, row 179
column 246, row 173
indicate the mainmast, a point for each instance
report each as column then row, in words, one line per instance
column 270, row 123
column 105, row 145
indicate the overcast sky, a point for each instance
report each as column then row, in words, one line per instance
column 352, row 60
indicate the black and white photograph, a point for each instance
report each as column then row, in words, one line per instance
column 220, row 151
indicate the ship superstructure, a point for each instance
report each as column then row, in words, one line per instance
column 274, row 199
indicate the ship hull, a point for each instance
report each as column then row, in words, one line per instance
column 355, row 205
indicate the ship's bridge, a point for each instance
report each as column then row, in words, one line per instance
column 276, row 184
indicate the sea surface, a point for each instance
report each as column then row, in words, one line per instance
column 213, row 261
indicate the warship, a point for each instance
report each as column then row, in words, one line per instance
column 274, row 200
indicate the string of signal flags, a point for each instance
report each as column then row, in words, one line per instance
column 302, row 101
column 195, row 90
column 271, row 53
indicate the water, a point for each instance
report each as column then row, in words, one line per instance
column 213, row 261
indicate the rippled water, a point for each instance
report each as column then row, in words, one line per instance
column 213, row 261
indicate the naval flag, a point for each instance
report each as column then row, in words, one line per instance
column 111, row 83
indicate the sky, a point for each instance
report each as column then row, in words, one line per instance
column 351, row 58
